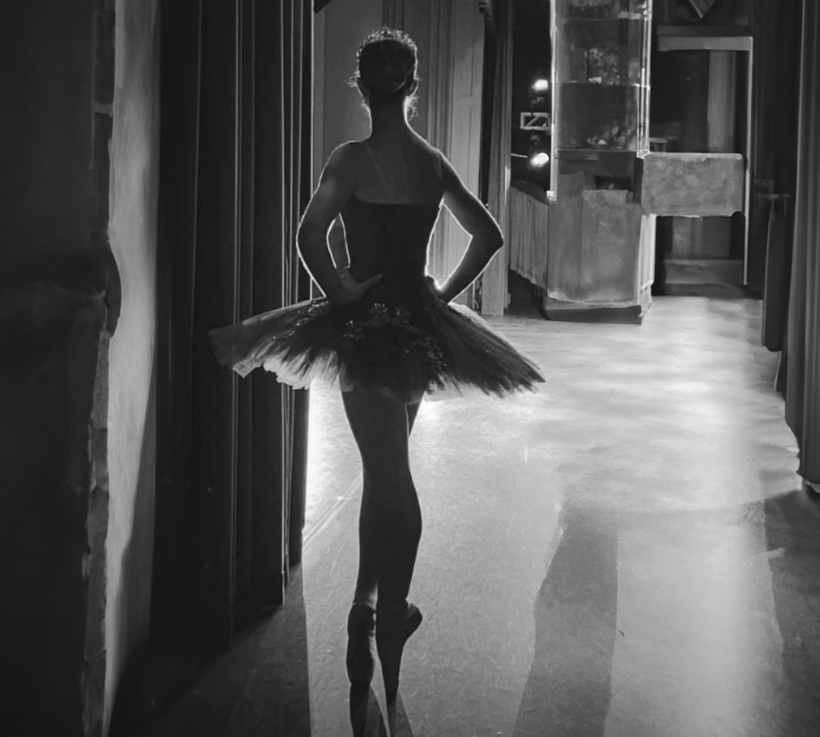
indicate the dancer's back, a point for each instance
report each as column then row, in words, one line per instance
column 390, row 214
column 402, row 168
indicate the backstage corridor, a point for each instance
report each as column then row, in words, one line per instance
column 626, row 553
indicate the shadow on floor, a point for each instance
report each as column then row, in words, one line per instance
column 366, row 717
column 793, row 546
column 569, row 687
column 260, row 687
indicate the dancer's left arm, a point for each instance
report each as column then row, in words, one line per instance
column 331, row 195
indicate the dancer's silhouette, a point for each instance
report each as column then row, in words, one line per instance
column 385, row 330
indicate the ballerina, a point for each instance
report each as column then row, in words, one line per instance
column 385, row 330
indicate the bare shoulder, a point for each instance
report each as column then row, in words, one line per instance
column 342, row 158
column 453, row 184
column 435, row 160
column 450, row 178
column 428, row 150
column 335, row 185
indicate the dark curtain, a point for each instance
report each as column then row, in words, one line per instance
column 776, row 59
column 496, row 145
column 803, row 341
column 778, row 228
column 236, row 95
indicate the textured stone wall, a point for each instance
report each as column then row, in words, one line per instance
column 55, row 499
column 46, row 70
column 77, row 327
column 59, row 302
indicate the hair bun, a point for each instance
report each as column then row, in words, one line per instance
column 387, row 61
column 386, row 79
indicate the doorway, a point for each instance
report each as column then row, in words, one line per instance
column 700, row 102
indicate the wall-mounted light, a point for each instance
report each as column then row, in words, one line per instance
column 540, row 159
column 540, row 86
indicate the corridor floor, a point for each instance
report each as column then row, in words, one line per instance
column 626, row 553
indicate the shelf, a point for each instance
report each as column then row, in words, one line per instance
column 632, row 18
column 601, row 84
column 588, row 154
column 704, row 43
column 698, row 30
column 693, row 184
column 601, row 162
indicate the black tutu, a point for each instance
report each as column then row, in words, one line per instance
column 438, row 349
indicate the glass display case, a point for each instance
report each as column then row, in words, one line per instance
column 601, row 84
column 600, row 243
column 606, row 187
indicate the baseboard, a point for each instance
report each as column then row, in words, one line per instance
column 557, row 310
column 630, row 313
column 703, row 271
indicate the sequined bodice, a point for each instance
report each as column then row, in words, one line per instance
column 389, row 239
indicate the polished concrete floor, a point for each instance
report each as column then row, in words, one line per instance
column 626, row 553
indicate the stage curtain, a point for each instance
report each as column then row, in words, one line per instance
column 494, row 280
column 235, row 129
column 803, row 339
column 527, row 235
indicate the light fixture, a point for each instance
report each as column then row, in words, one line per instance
column 541, row 85
column 540, row 159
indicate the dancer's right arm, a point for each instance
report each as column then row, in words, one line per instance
column 335, row 186
column 474, row 217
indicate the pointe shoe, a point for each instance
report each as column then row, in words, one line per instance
column 395, row 626
column 361, row 634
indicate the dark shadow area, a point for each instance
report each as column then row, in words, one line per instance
column 398, row 720
column 51, row 513
column 366, row 718
column 260, row 687
column 606, row 315
column 161, row 698
column 793, row 544
column 568, row 691
column 713, row 291
column 525, row 298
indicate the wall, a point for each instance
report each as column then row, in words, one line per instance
column 341, row 26
column 58, row 303
column 47, row 556
column 464, row 112
column 338, row 114
column 131, row 410
column 47, row 80
column 66, row 633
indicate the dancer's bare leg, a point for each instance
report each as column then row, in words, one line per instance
column 395, row 476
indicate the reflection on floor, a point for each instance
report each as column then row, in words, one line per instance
column 624, row 554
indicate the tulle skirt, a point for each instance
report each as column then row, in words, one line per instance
column 436, row 349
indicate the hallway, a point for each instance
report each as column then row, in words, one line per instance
column 626, row 553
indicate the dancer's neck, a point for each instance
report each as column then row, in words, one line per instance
column 389, row 122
